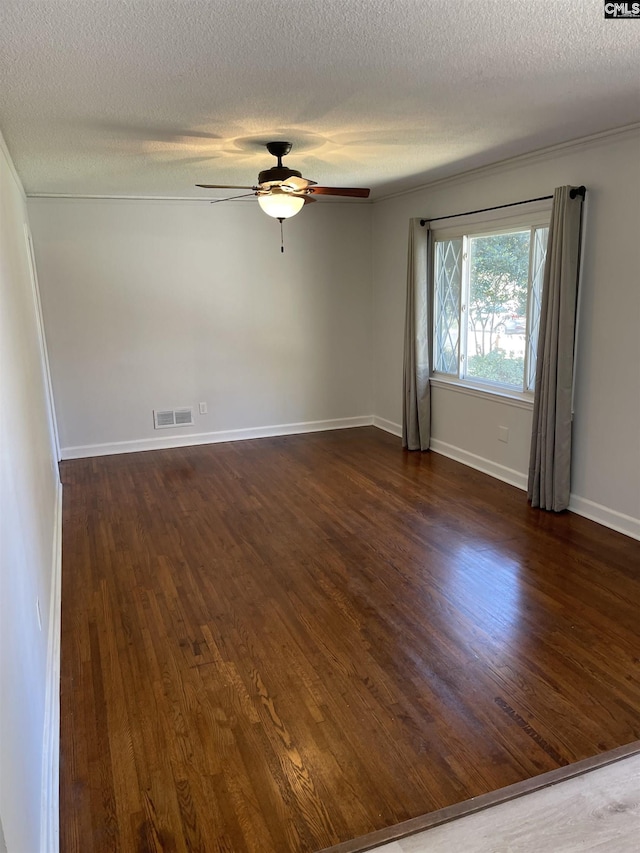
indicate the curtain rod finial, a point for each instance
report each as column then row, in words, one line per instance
column 574, row 191
column 423, row 222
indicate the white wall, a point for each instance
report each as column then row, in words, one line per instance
column 29, row 548
column 606, row 460
column 159, row 304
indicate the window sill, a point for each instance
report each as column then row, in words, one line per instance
column 518, row 399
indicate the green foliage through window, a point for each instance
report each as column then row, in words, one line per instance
column 497, row 366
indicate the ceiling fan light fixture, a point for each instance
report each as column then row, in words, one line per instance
column 280, row 204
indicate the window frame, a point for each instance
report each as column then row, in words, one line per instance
column 528, row 217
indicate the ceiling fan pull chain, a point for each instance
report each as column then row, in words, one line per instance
column 281, row 235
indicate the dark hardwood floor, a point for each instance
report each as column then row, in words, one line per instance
column 281, row 644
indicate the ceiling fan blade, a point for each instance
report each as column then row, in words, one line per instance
column 308, row 199
column 353, row 192
column 231, row 198
column 224, row 187
column 297, row 184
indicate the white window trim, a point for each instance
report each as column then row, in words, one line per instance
column 531, row 215
column 517, row 399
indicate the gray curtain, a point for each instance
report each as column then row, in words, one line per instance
column 416, row 413
column 550, row 458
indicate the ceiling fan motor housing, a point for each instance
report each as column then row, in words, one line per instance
column 277, row 174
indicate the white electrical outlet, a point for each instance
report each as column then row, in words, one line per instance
column 503, row 434
column 203, row 408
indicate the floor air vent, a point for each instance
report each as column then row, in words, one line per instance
column 172, row 418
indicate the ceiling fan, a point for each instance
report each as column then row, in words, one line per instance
column 283, row 192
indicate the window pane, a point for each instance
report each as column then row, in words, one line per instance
column 540, row 236
column 497, row 310
column 448, row 279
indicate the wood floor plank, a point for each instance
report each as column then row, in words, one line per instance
column 281, row 644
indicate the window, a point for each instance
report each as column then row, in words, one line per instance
column 487, row 289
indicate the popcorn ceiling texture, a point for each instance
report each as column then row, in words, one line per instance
column 148, row 97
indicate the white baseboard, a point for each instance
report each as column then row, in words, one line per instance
column 581, row 506
column 387, row 426
column 501, row 472
column 165, row 442
column 618, row 521
column 50, row 819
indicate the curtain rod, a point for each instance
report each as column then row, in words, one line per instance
column 573, row 192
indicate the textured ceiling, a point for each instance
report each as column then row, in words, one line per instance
column 149, row 97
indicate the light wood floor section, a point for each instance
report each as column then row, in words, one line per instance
column 597, row 811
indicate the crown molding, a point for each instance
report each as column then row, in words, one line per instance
column 520, row 159
column 488, row 169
